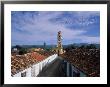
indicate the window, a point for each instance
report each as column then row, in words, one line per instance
column 23, row 74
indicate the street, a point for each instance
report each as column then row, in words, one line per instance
column 54, row 69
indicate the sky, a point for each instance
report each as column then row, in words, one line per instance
column 37, row 27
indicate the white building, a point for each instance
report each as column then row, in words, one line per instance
column 29, row 69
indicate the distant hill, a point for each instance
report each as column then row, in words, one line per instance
column 53, row 46
column 86, row 44
column 36, row 46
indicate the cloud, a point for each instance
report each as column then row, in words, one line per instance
column 37, row 27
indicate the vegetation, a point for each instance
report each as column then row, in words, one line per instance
column 73, row 46
column 21, row 49
column 91, row 46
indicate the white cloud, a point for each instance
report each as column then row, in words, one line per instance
column 41, row 29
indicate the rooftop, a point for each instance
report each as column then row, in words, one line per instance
column 21, row 62
column 86, row 60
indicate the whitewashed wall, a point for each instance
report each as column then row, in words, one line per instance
column 36, row 68
column 17, row 75
column 73, row 71
column 28, row 72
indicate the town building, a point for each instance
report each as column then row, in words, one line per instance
column 30, row 64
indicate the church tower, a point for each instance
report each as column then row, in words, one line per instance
column 44, row 46
column 59, row 43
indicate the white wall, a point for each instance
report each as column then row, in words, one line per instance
column 36, row 68
column 17, row 75
column 73, row 69
column 28, row 72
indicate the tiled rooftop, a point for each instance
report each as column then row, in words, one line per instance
column 86, row 60
column 21, row 62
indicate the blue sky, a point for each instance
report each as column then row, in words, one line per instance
column 37, row 27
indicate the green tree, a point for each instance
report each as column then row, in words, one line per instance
column 22, row 51
column 82, row 46
column 70, row 47
column 91, row 46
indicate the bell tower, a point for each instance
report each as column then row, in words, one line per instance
column 59, row 43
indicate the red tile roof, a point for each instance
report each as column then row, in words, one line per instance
column 21, row 62
column 38, row 56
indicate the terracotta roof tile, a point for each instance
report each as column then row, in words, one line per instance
column 86, row 60
column 21, row 62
